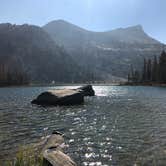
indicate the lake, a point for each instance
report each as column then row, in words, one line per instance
column 121, row 125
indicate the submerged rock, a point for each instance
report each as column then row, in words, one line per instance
column 64, row 96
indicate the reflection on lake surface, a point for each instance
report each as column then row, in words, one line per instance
column 122, row 125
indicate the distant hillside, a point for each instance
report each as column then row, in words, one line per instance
column 63, row 52
column 105, row 53
column 31, row 49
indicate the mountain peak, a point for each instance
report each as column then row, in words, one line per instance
column 62, row 25
column 132, row 34
column 131, row 28
column 58, row 21
column 136, row 28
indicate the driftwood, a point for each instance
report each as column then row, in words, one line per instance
column 56, row 157
column 51, row 148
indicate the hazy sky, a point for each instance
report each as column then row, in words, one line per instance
column 97, row 15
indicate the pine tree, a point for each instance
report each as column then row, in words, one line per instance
column 162, row 67
column 128, row 77
column 144, row 72
column 136, row 76
column 155, row 70
column 132, row 73
column 149, row 70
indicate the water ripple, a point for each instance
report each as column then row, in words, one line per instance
column 119, row 126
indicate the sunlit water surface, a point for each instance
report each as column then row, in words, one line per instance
column 121, row 125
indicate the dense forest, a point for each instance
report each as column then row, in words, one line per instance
column 28, row 54
column 154, row 71
column 12, row 75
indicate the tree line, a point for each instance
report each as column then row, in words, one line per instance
column 153, row 71
column 12, row 75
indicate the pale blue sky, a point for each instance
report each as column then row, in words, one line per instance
column 96, row 15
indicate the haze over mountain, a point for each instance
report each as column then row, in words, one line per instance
column 64, row 52
column 105, row 53
column 31, row 49
column 64, row 31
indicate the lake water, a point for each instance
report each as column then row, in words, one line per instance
column 122, row 125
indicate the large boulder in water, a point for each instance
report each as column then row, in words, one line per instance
column 87, row 90
column 64, row 96
column 60, row 97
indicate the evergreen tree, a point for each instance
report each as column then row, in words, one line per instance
column 144, row 72
column 162, row 67
column 149, row 70
column 129, row 77
column 136, row 76
column 155, row 70
column 12, row 75
column 132, row 73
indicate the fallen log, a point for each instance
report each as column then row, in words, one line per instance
column 51, row 148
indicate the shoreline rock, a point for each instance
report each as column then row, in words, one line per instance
column 64, row 96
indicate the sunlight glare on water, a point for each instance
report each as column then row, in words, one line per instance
column 121, row 125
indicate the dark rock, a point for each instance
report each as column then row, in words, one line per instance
column 60, row 97
column 57, row 132
column 64, row 96
column 87, row 90
column 53, row 147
